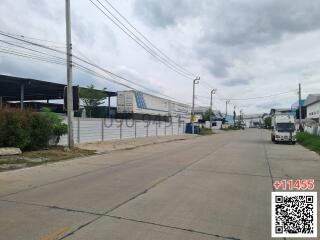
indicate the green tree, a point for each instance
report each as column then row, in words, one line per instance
column 92, row 98
column 58, row 127
column 267, row 122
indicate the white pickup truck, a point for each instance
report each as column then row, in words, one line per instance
column 283, row 129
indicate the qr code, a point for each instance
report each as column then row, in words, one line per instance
column 294, row 214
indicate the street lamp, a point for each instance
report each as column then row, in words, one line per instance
column 195, row 81
column 213, row 91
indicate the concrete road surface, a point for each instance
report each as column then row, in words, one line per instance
column 213, row 187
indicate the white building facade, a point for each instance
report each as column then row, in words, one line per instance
column 252, row 120
column 313, row 107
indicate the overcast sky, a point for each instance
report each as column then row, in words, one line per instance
column 244, row 48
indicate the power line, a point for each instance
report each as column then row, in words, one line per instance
column 32, row 57
column 34, row 39
column 251, row 98
column 145, row 38
column 52, row 46
column 31, row 43
column 30, row 49
column 79, row 65
column 138, row 40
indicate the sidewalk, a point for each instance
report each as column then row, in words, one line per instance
column 126, row 144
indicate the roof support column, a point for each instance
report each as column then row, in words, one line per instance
column 21, row 96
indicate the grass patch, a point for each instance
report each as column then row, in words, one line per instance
column 231, row 127
column 34, row 158
column 205, row 131
column 309, row 141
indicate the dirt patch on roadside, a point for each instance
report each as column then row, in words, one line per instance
column 33, row 158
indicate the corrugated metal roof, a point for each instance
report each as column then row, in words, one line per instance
column 312, row 98
column 10, row 88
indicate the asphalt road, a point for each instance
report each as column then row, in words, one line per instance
column 214, row 187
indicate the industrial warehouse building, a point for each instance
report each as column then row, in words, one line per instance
column 137, row 114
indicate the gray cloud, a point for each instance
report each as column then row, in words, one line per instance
column 165, row 13
column 136, row 77
column 251, row 23
column 230, row 29
column 269, row 105
column 82, row 29
column 45, row 9
column 32, row 69
column 234, row 28
column 236, row 82
column 232, row 22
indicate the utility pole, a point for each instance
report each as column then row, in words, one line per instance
column 234, row 114
column 227, row 102
column 300, row 126
column 69, row 77
column 195, row 81
column 213, row 91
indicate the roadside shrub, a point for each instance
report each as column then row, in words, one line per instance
column 14, row 130
column 58, row 127
column 231, row 127
column 41, row 130
column 205, row 131
column 28, row 130
column 310, row 141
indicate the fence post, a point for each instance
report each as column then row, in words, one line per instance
column 171, row 128
column 157, row 129
column 135, row 128
column 78, row 130
column 102, row 132
column 120, row 127
column 165, row 129
column 147, row 128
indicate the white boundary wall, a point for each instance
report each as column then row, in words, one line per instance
column 315, row 130
column 103, row 129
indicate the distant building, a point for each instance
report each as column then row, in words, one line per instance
column 295, row 108
column 199, row 112
column 252, row 120
column 312, row 103
column 216, row 114
column 229, row 119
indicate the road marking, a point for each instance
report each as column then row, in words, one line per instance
column 55, row 234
